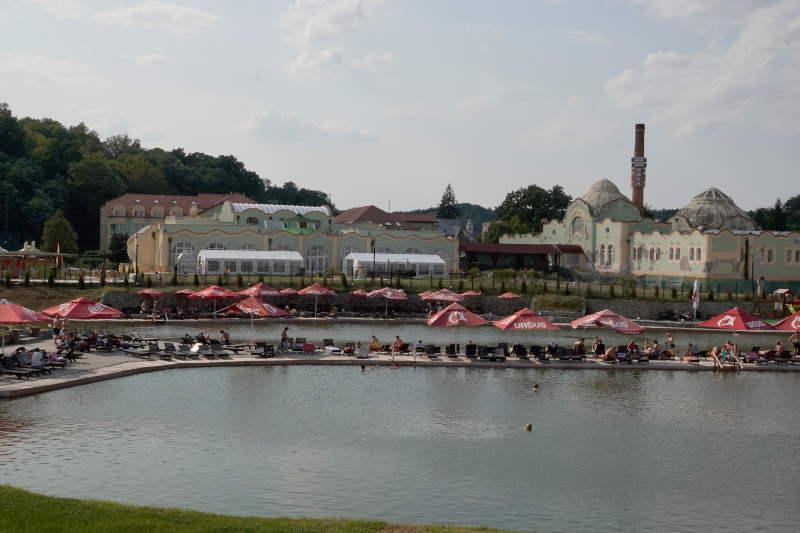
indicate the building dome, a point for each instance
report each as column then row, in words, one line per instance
column 713, row 209
column 601, row 193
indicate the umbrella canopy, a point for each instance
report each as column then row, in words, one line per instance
column 443, row 295
column 316, row 290
column 214, row 292
column 254, row 306
column 609, row 319
column 359, row 292
column 389, row 294
column 11, row 313
column 790, row 323
column 185, row 292
column 455, row 315
column 150, row 293
column 735, row 319
column 83, row 309
column 508, row 295
column 260, row 290
column 525, row 319
column 288, row 291
column 470, row 293
column 425, row 294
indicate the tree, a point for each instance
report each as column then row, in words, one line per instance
column 140, row 175
column 118, row 248
column 12, row 136
column 448, row 208
column 58, row 232
column 92, row 182
column 505, row 227
column 532, row 204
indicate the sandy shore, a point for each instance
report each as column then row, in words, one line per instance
column 100, row 366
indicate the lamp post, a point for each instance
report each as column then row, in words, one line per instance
column 136, row 256
column 373, row 260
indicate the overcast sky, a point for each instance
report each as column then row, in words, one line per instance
column 379, row 100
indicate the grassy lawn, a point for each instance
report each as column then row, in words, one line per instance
column 26, row 512
column 38, row 297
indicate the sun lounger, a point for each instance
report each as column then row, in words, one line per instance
column 520, row 351
column 219, row 351
column 471, row 351
column 450, row 351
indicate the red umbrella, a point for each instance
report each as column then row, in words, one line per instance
column 150, row 293
column 508, row 295
column 254, row 306
column 187, row 292
column 82, row 309
column 470, row 293
column 735, row 319
column 260, row 290
column 443, row 295
column 11, row 313
column 790, row 323
column 317, row 290
column 388, row 294
column 455, row 315
column 288, row 291
column 425, row 294
column 525, row 319
column 609, row 319
column 359, row 292
column 214, row 293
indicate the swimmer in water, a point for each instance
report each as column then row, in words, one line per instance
column 536, row 386
column 363, row 367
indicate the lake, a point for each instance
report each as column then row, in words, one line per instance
column 609, row 450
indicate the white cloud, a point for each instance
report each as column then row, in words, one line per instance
column 277, row 126
column 756, row 80
column 152, row 14
column 63, row 9
column 675, row 9
column 308, row 21
column 40, row 71
column 571, row 122
column 588, row 37
column 470, row 105
column 332, row 60
column 150, row 59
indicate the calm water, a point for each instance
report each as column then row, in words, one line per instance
column 609, row 451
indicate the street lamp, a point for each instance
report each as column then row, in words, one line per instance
column 136, row 256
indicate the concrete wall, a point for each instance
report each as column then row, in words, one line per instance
column 650, row 309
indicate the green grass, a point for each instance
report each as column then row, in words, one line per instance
column 27, row 512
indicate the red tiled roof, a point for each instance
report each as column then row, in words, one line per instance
column 485, row 247
column 167, row 201
column 416, row 217
column 369, row 214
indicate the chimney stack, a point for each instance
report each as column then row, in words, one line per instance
column 638, row 167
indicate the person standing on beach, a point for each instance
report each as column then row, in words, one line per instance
column 285, row 337
column 56, row 328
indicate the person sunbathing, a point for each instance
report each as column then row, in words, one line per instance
column 397, row 345
column 691, row 353
column 579, row 347
column 374, row 344
column 611, row 354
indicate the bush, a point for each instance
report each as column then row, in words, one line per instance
column 502, row 286
column 261, row 278
column 710, row 296
column 566, row 290
column 51, row 279
column 148, row 282
column 344, row 281
column 633, row 292
column 611, row 291
column 196, row 280
column 674, row 293
column 545, row 289
column 174, row 280
column 239, row 281
column 103, row 277
column 125, row 277
column 523, row 287
column 730, row 296
column 81, row 283
column 440, row 285
column 657, row 292
column 219, row 280
column 27, row 279
column 588, row 293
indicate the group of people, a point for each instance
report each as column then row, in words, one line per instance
column 396, row 347
column 653, row 350
column 35, row 358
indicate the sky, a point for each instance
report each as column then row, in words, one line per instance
column 385, row 102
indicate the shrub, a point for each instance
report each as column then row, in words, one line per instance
column 174, row 280
column 611, row 291
column 502, row 286
column 27, row 279
column 730, row 295
column 196, row 280
column 657, row 292
column 148, row 282
column 440, row 285
column 344, row 281
column 545, row 289
column 588, row 292
column 461, row 285
column 81, row 283
column 103, row 277
column 566, row 290
column 674, row 293
column 523, row 287
column 633, row 292
column 239, row 281
column 125, row 277
column 219, row 280
column 710, row 296
column 51, row 279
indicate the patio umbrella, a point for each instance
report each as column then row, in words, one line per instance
column 359, row 292
column 185, row 292
column 455, row 315
column 735, row 319
column 508, row 296
column 425, row 294
column 260, row 290
column 254, row 307
column 288, row 291
column 525, row 320
column 470, row 293
column 443, row 295
column 317, row 290
column 150, row 293
column 214, row 293
column 609, row 319
column 387, row 294
column 790, row 323
column 82, row 309
column 11, row 313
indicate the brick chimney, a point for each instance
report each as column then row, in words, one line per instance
column 638, row 167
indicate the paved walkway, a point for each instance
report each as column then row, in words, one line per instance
column 99, row 366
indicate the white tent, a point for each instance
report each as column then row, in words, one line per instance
column 423, row 265
column 248, row 262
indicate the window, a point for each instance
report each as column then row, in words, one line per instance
column 438, row 270
column 691, row 254
column 797, row 256
column 697, row 254
column 182, row 248
column 216, row 246
column 635, row 253
column 247, row 246
column 246, row 267
column 658, row 254
column 279, row 267
column 770, row 255
column 253, row 221
column 262, row 266
column 176, row 211
column 212, row 266
column 316, row 260
column 157, row 211
column 138, row 211
column 572, row 259
column 788, row 259
column 652, row 254
column 677, row 254
column 610, row 254
column 118, row 229
column 411, row 251
column 230, row 266
column 602, row 254
column 577, row 226
column 671, row 253
column 118, row 211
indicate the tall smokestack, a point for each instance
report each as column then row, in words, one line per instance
column 638, row 167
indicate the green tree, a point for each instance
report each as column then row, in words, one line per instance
column 92, row 183
column 140, row 175
column 118, row 248
column 448, row 207
column 502, row 227
column 12, row 136
column 533, row 204
column 58, row 231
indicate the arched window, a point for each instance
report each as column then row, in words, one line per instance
column 176, row 211
column 658, row 253
column 215, row 246
column 253, row 221
column 602, row 254
column 770, row 255
column 652, row 254
column 157, row 211
column 671, row 253
column 691, row 253
column 411, row 251
column 181, row 248
column 610, row 254
column 577, row 226
column 697, row 255
column 788, row 259
column 677, row 254
column 118, row 210
column 634, row 252
column 316, row 260
column 797, row 256
column 138, row 211
column 247, row 246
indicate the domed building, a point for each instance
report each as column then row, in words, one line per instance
column 711, row 238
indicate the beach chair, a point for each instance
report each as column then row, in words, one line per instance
column 219, row 352
column 520, row 352
column 299, row 344
column 451, row 352
column 204, row 350
column 349, row 348
column 471, row 351
column 432, row 351
column 504, row 347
